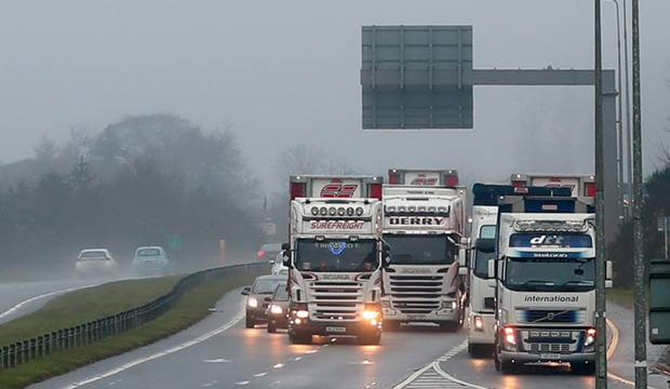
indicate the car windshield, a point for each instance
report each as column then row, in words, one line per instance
column 149, row 253
column 421, row 249
column 333, row 255
column 482, row 258
column 548, row 274
column 266, row 286
column 281, row 294
column 92, row 255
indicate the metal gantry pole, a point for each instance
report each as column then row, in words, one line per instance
column 638, row 229
column 629, row 134
column 620, row 137
column 601, row 329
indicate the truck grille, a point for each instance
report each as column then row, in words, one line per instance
column 416, row 294
column 335, row 300
column 550, row 316
column 549, row 340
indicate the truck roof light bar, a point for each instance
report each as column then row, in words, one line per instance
column 551, row 226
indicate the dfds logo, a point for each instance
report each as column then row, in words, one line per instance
column 339, row 191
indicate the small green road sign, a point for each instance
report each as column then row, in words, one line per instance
column 174, row 242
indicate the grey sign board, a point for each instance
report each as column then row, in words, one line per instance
column 417, row 77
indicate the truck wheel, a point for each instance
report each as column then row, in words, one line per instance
column 300, row 337
column 449, row 326
column 583, row 368
column 250, row 322
column 391, row 325
column 369, row 339
column 271, row 328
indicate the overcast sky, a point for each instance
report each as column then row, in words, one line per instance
column 288, row 71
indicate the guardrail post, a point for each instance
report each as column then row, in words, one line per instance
column 17, row 354
column 4, row 354
column 40, row 346
column 47, row 344
column 26, row 351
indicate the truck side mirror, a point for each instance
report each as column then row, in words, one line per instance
column 286, row 261
column 492, row 268
column 285, row 247
column 462, row 271
column 246, row 291
column 462, row 258
column 608, row 275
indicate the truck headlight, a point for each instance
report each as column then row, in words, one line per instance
column 302, row 314
column 509, row 336
column 370, row 315
column 252, row 302
column 479, row 323
column 276, row 310
column 590, row 337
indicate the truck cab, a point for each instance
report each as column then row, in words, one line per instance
column 545, row 280
column 334, row 260
column 423, row 227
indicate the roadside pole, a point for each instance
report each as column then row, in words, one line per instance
column 638, row 237
column 601, row 329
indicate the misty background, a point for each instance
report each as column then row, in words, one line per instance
column 280, row 82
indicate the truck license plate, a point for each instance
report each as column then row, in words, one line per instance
column 336, row 329
column 416, row 317
column 550, row 356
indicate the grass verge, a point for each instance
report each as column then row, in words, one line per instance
column 190, row 309
column 85, row 305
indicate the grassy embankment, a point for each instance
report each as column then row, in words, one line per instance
column 85, row 305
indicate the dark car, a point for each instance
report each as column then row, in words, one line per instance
column 277, row 312
column 259, row 297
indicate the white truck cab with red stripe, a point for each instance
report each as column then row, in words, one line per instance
column 335, row 258
column 423, row 226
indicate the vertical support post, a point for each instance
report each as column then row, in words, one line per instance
column 629, row 134
column 601, row 329
column 638, row 229
column 665, row 234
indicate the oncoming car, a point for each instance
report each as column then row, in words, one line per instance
column 96, row 262
column 150, row 260
column 277, row 312
column 259, row 297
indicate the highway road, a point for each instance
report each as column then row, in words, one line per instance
column 17, row 299
column 220, row 353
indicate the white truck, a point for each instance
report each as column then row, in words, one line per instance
column 481, row 287
column 334, row 259
column 581, row 185
column 424, row 228
column 545, row 280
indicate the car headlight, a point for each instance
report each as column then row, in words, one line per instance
column 252, row 302
column 302, row 314
column 276, row 310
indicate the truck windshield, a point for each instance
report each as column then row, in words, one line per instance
column 421, row 249
column 336, row 255
column 482, row 258
column 549, row 274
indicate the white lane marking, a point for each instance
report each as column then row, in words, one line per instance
column 42, row 296
column 242, row 383
column 278, row 366
column 432, row 376
column 260, row 375
column 219, row 360
column 161, row 354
